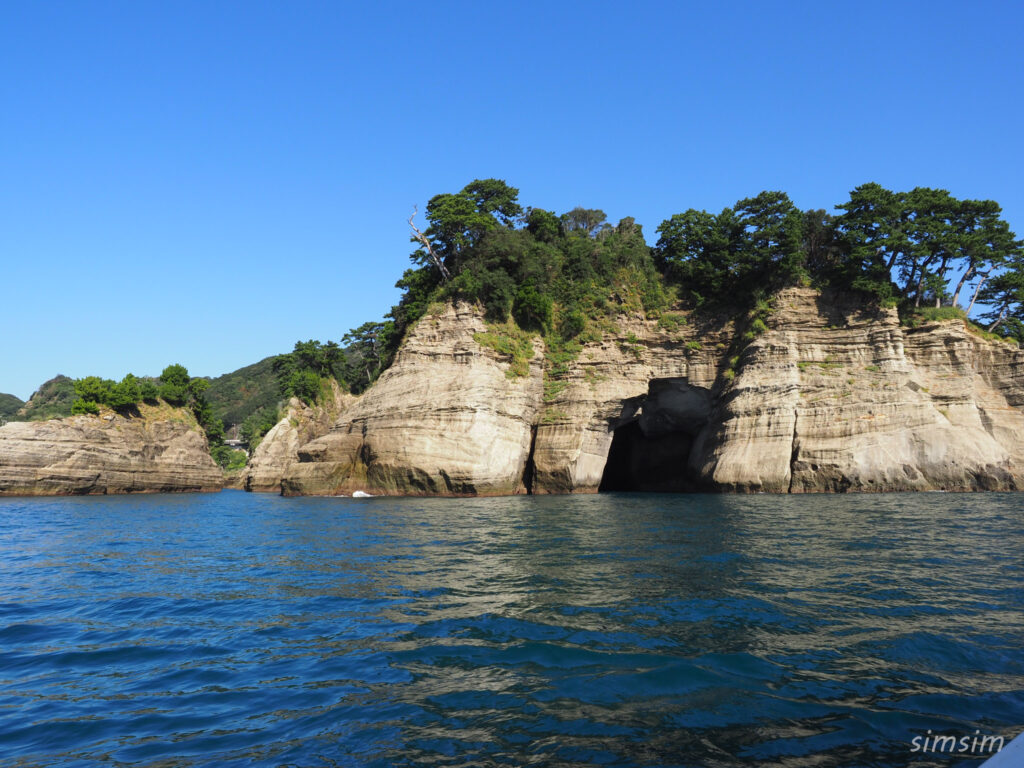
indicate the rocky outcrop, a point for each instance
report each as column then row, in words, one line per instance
column 161, row 449
column 445, row 418
column 279, row 448
column 838, row 398
column 642, row 375
column 830, row 396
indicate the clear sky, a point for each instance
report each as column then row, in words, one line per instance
column 208, row 182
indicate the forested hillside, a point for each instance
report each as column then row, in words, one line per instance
column 9, row 405
column 51, row 401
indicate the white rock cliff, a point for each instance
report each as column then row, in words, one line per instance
column 832, row 397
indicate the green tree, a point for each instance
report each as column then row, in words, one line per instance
column 148, row 390
column 531, row 309
column 365, row 354
column 1004, row 294
column 93, row 389
column 300, row 371
column 174, row 381
column 986, row 245
column 822, row 252
column 458, row 221
column 543, row 225
column 587, row 222
column 771, row 254
column 257, row 424
column 85, row 406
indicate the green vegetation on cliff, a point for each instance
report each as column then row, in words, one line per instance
column 175, row 387
column 251, row 398
column 568, row 277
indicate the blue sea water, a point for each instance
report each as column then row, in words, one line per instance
column 611, row 630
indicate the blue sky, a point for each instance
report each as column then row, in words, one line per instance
column 208, row 182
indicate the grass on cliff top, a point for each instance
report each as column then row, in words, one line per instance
column 916, row 317
column 159, row 410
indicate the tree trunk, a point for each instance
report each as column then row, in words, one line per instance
column 426, row 244
column 960, row 285
column 977, row 290
column 920, row 280
column 997, row 321
column 942, row 277
column 917, row 293
column 910, row 282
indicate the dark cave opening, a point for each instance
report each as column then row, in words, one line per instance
column 637, row 462
column 653, row 436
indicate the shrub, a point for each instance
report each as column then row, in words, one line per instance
column 228, row 458
column 572, row 324
column 257, row 424
column 671, row 321
column 148, row 391
column 304, row 385
column 531, row 309
column 174, row 384
column 507, row 339
column 85, row 406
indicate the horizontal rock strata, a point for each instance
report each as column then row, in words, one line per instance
column 161, row 449
column 445, row 418
column 831, row 397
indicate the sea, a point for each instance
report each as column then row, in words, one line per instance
column 236, row 629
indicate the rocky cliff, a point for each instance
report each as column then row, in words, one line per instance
column 161, row 449
column 837, row 398
column 830, row 396
column 279, row 448
column 445, row 418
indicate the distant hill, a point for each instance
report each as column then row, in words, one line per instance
column 9, row 405
column 238, row 394
column 51, row 401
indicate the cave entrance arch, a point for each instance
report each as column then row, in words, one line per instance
column 653, row 437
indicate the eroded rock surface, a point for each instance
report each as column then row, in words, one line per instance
column 443, row 419
column 279, row 448
column 832, row 397
column 837, row 398
column 160, row 450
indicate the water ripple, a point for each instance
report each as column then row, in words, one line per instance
column 236, row 630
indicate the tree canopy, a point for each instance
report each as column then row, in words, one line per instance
column 174, row 386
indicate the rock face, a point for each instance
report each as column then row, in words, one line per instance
column 279, row 448
column 160, row 450
column 834, row 398
column 443, row 419
column 831, row 397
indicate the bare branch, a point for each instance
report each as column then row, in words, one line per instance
column 426, row 244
